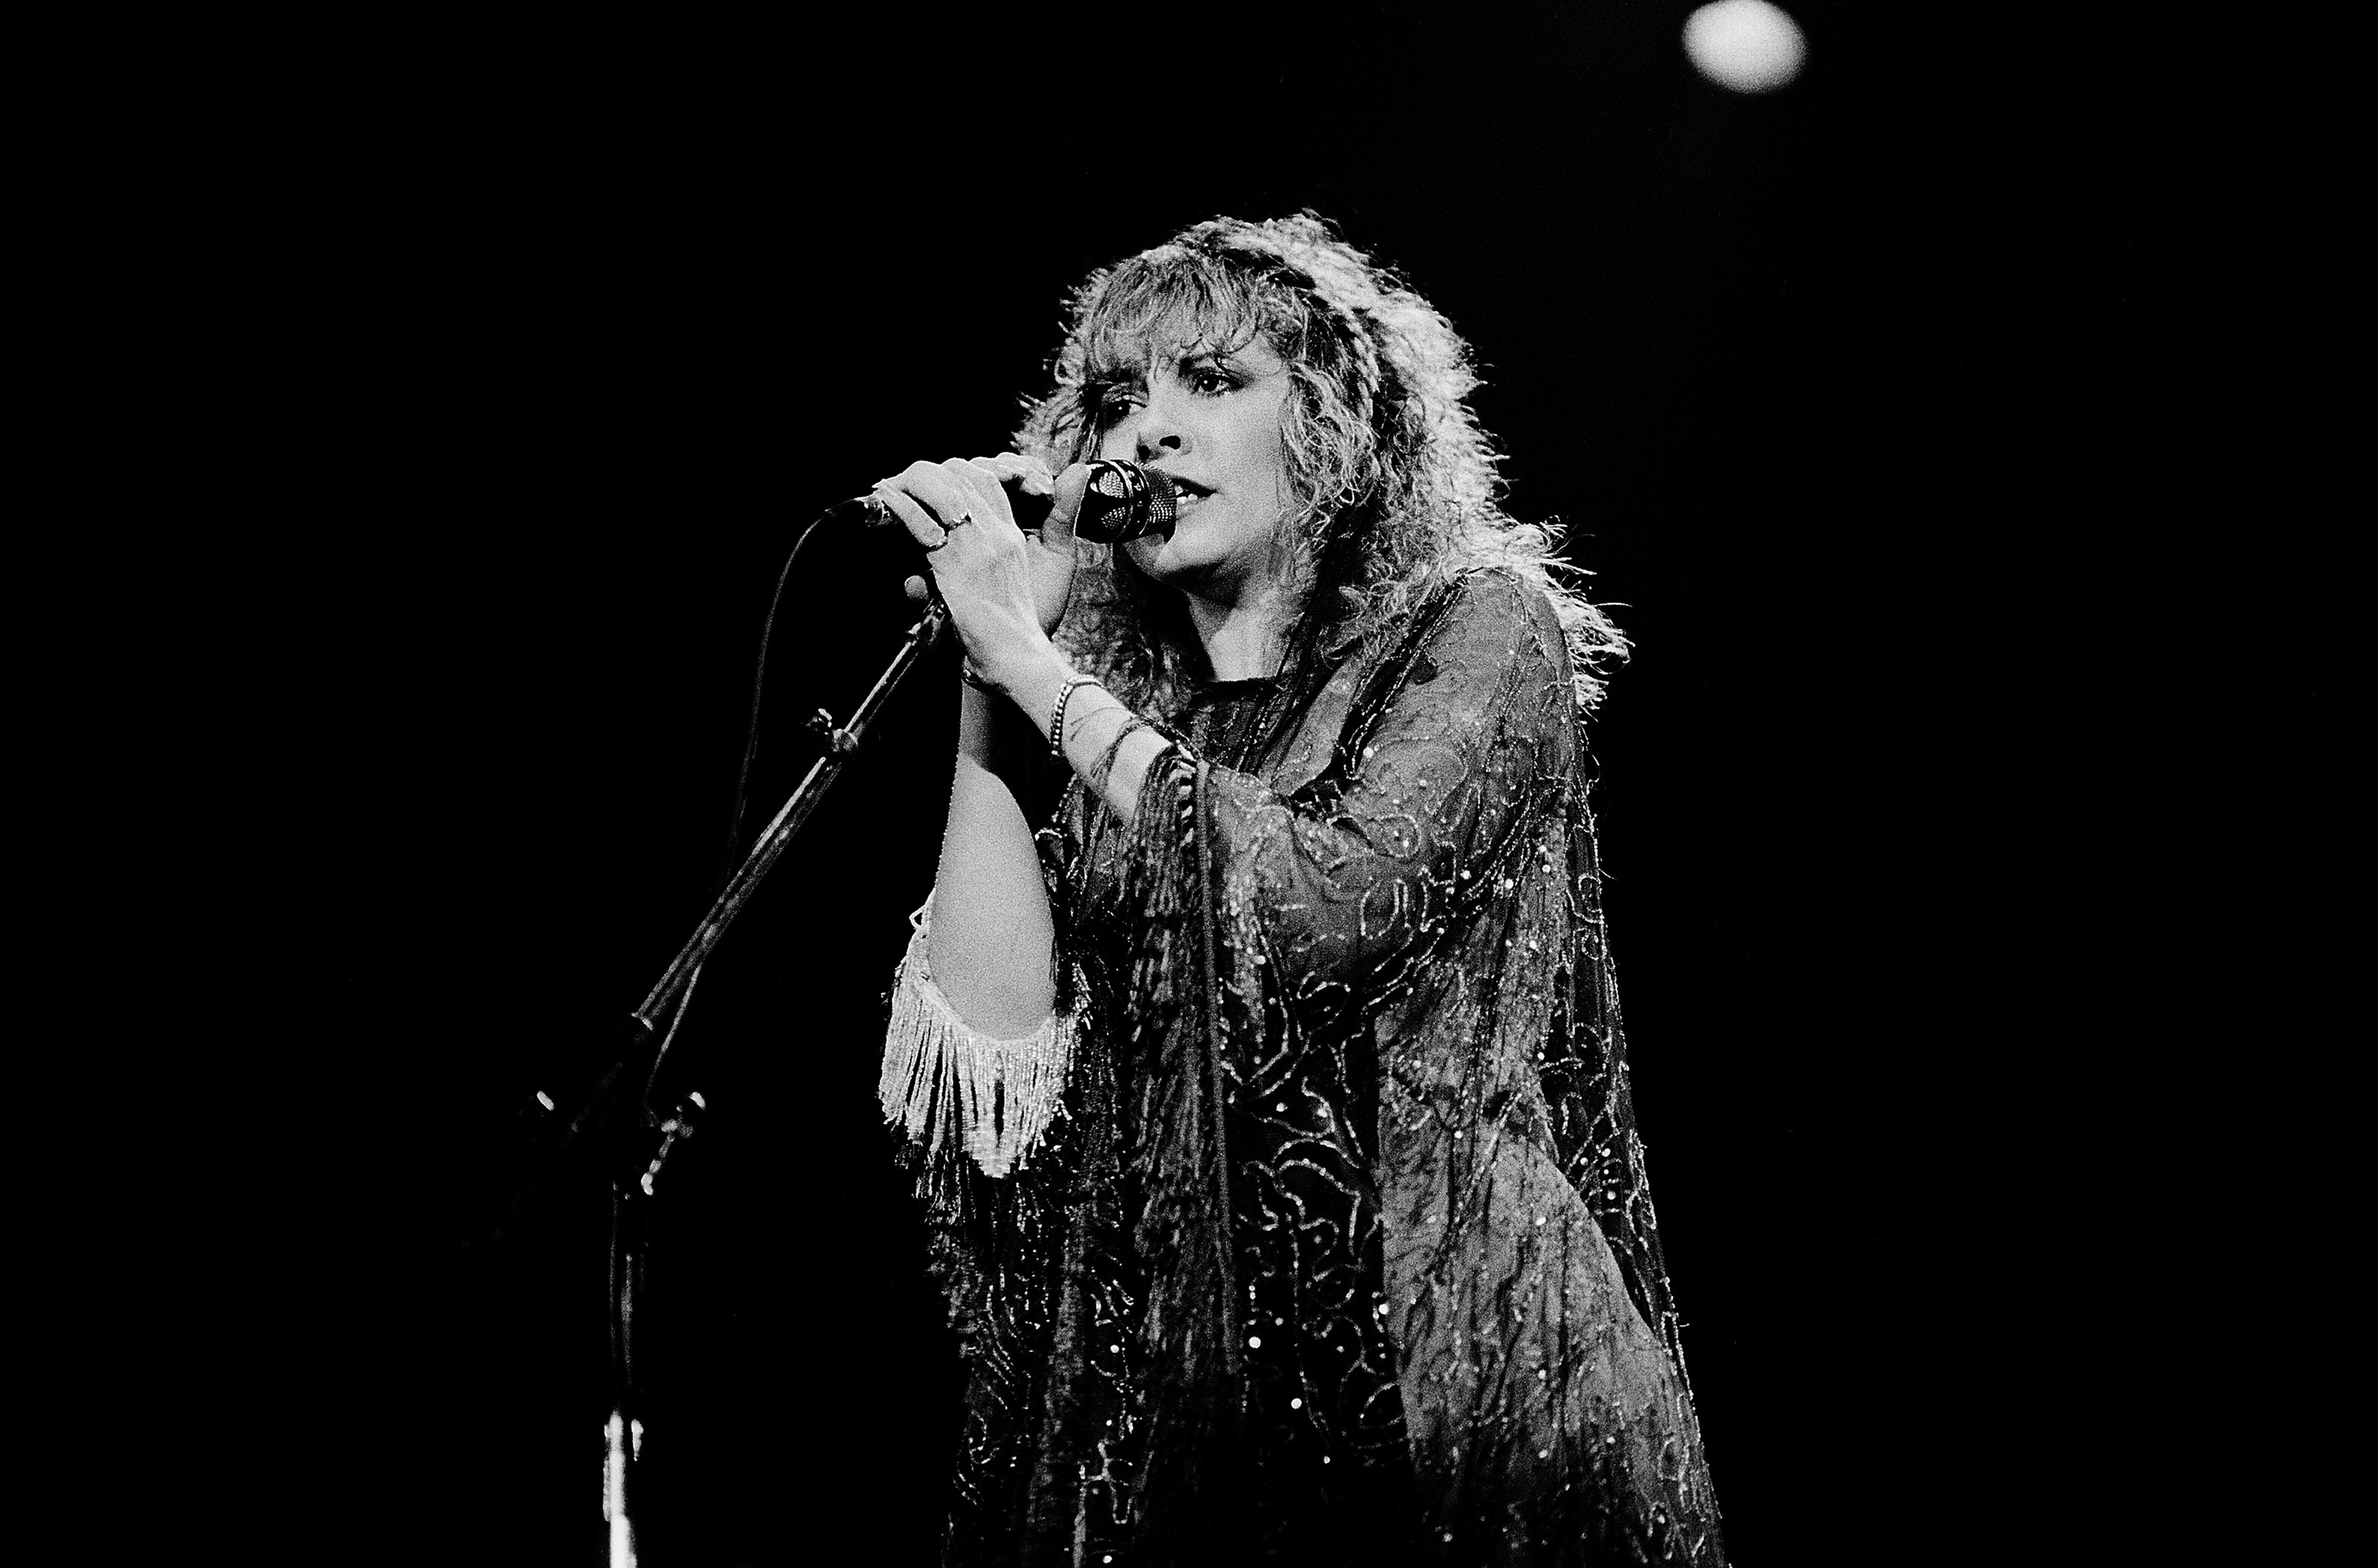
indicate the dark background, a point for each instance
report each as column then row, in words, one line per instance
column 574, row 330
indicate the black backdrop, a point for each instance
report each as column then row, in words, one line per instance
column 583, row 326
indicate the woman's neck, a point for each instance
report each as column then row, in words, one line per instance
column 1245, row 640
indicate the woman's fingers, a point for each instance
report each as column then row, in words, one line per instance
column 1029, row 474
column 977, row 487
column 982, row 486
column 954, row 489
column 928, row 485
column 920, row 522
column 1068, row 487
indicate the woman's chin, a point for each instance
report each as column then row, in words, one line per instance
column 1192, row 545
column 1208, row 561
column 1169, row 560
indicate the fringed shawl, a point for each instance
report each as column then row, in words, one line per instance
column 1340, row 1250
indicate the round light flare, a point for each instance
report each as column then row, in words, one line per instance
column 1745, row 45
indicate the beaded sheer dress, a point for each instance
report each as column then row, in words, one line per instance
column 1315, row 1227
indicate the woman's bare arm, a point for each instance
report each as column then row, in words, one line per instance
column 992, row 942
column 992, row 935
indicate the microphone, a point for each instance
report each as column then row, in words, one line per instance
column 1123, row 501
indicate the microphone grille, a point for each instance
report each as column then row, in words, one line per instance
column 1124, row 501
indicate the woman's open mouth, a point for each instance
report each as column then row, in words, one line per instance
column 1187, row 493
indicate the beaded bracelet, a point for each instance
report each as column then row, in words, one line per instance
column 1057, row 719
column 1057, row 716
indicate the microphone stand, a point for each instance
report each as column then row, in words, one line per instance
column 639, row 1146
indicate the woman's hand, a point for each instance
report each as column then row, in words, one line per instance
column 1006, row 589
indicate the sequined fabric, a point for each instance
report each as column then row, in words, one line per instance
column 1342, row 1250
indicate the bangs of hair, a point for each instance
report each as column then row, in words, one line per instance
column 1169, row 299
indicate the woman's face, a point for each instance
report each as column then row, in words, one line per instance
column 1210, row 421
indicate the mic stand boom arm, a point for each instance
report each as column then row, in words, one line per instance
column 599, row 1107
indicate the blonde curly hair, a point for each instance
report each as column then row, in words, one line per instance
column 1394, row 485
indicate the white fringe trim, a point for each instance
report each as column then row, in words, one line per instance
column 944, row 1081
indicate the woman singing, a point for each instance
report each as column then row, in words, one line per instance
column 1265, row 1080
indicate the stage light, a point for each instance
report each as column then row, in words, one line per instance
column 1748, row 45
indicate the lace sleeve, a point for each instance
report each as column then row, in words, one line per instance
column 944, row 1082
column 1347, row 883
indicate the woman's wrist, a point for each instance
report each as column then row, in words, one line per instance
column 1090, row 729
column 1110, row 747
column 977, row 722
column 1034, row 684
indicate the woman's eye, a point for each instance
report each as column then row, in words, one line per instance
column 1213, row 383
column 1114, row 407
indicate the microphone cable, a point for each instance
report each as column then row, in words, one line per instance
column 729, row 857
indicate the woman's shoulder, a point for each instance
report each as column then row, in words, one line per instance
column 1496, row 606
column 1477, row 640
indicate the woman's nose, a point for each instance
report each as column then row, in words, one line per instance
column 1160, row 431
